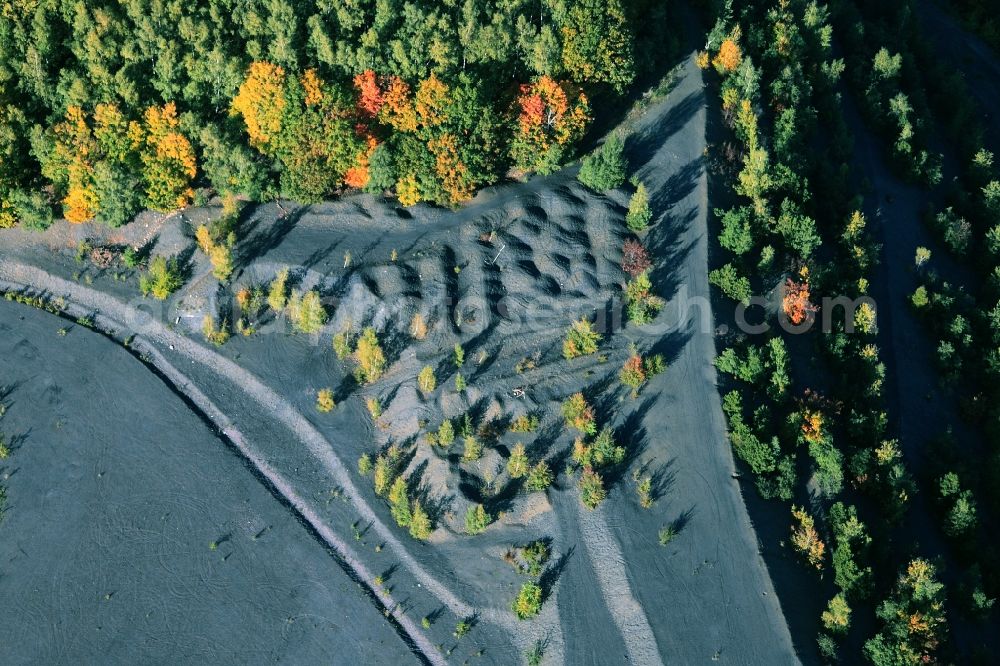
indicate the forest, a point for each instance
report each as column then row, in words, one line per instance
column 110, row 107
column 795, row 225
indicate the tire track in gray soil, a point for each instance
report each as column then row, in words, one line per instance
column 119, row 314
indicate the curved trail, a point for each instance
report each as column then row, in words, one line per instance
column 274, row 404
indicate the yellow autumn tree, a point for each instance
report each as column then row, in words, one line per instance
column 70, row 165
column 312, row 86
column 261, row 101
column 168, row 159
column 805, row 538
column 397, row 108
column 453, row 173
column 431, row 101
column 408, row 190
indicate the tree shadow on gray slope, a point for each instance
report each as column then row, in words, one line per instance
column 661, row 479
column 632, row 435
column 545, row 438
column 670, row 252
column 672, row 343
column 794, row 584
column 6, row 390
column 261, row 235
column 550, row 576
column 435, row 505
column 641, row 147
column 677, row 187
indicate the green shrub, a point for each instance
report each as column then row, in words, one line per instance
column 645, row 491
column 370, row 357
column 342, row 343
column 476, row 519
column 324, row 400
column 277, row 295
column 592, row 491
column 581, row 340
column 535, row 555
column 306, row 311
column 217, row 336
column 732, row 284
column 473, row 449
column 604, row 450
column 420, row 522
column 131, row 258
column 162, row 279
column 32, row 209
column 517, row 464
column 426, row 380
column 604, row 169
column 954, row 229
column 528, row 601
column 540, row 477
column 736, row 235
column 399, row 502
column 638, row 216
column 579, row 414
column 641, row 305
column 374, row 407
column 446, row 433
column 837, row 616
column 533, row 657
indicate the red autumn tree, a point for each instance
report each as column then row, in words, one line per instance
column 370, row 98
column 635, row 258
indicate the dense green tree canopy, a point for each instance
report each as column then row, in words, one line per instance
column 60, row 60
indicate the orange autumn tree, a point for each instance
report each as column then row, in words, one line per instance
column 70, row 165
column 425, row 116
column 729, row 56
column 812, row 426
column 550, row 117
column 359, row 174
column 370, row 98
column 795, row 303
